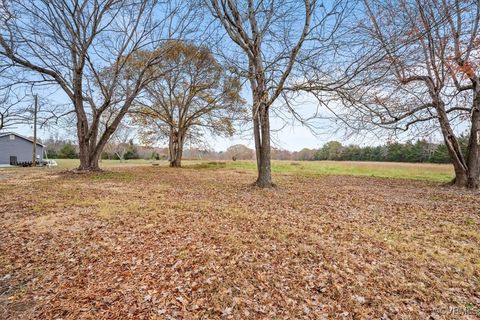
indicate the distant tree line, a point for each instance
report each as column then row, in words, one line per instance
column 419, row 151
column 65, row 149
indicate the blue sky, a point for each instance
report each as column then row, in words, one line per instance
column 291, row 136
column 286, row 133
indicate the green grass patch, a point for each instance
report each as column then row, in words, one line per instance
column 207, row 165
column 440, row 173
column 414, row 171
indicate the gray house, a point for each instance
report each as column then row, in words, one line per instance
column 16, row 149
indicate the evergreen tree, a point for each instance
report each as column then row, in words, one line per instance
column 67, row 152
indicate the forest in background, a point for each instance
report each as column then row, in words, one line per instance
column 420, row 151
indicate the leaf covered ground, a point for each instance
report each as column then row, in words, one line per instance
column 160, row 243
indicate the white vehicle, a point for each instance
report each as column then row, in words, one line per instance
column 51, row 163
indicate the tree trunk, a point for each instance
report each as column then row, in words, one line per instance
column 90, row 150
column 473, row 157
column 88, row 158
column 87, row 162
column 453, row 147
column 467, row 172
column 256, row 135
column 176, row 162
column 262, row 147
column 84, row 156
column 87, row 137
column 175, row 148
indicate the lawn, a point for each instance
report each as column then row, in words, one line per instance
column 151, row 242
column 417, row 171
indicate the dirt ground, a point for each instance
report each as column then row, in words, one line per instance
column 160, row 243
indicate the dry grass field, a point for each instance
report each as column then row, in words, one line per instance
column 415, row 171
column 145, row 242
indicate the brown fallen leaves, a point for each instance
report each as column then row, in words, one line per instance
column 158, row 243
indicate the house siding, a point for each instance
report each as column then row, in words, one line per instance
column 19, row 147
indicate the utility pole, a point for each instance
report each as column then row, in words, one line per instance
column 34, row 155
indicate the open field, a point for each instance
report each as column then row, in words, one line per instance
column 416, row 171
column 144, row 242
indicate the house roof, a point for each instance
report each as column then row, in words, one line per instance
column 2, row 134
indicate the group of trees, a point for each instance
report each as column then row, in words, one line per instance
column 177, row 69
column 57, row 148
column 417, row 152
column 89, row 50
column 420, row 151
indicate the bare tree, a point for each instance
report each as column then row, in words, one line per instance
column 12, row 109
column 118, row 143
column 271, row 36
column 70, row 44
column 193, row 93
column 407, row 80
column 463, row 19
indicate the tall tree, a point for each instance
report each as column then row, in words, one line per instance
column 463, row 20
column 68, row 44
column 270, row 35
column 410, row 82
column 193, row 93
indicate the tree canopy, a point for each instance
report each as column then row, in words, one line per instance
column 192, row 94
